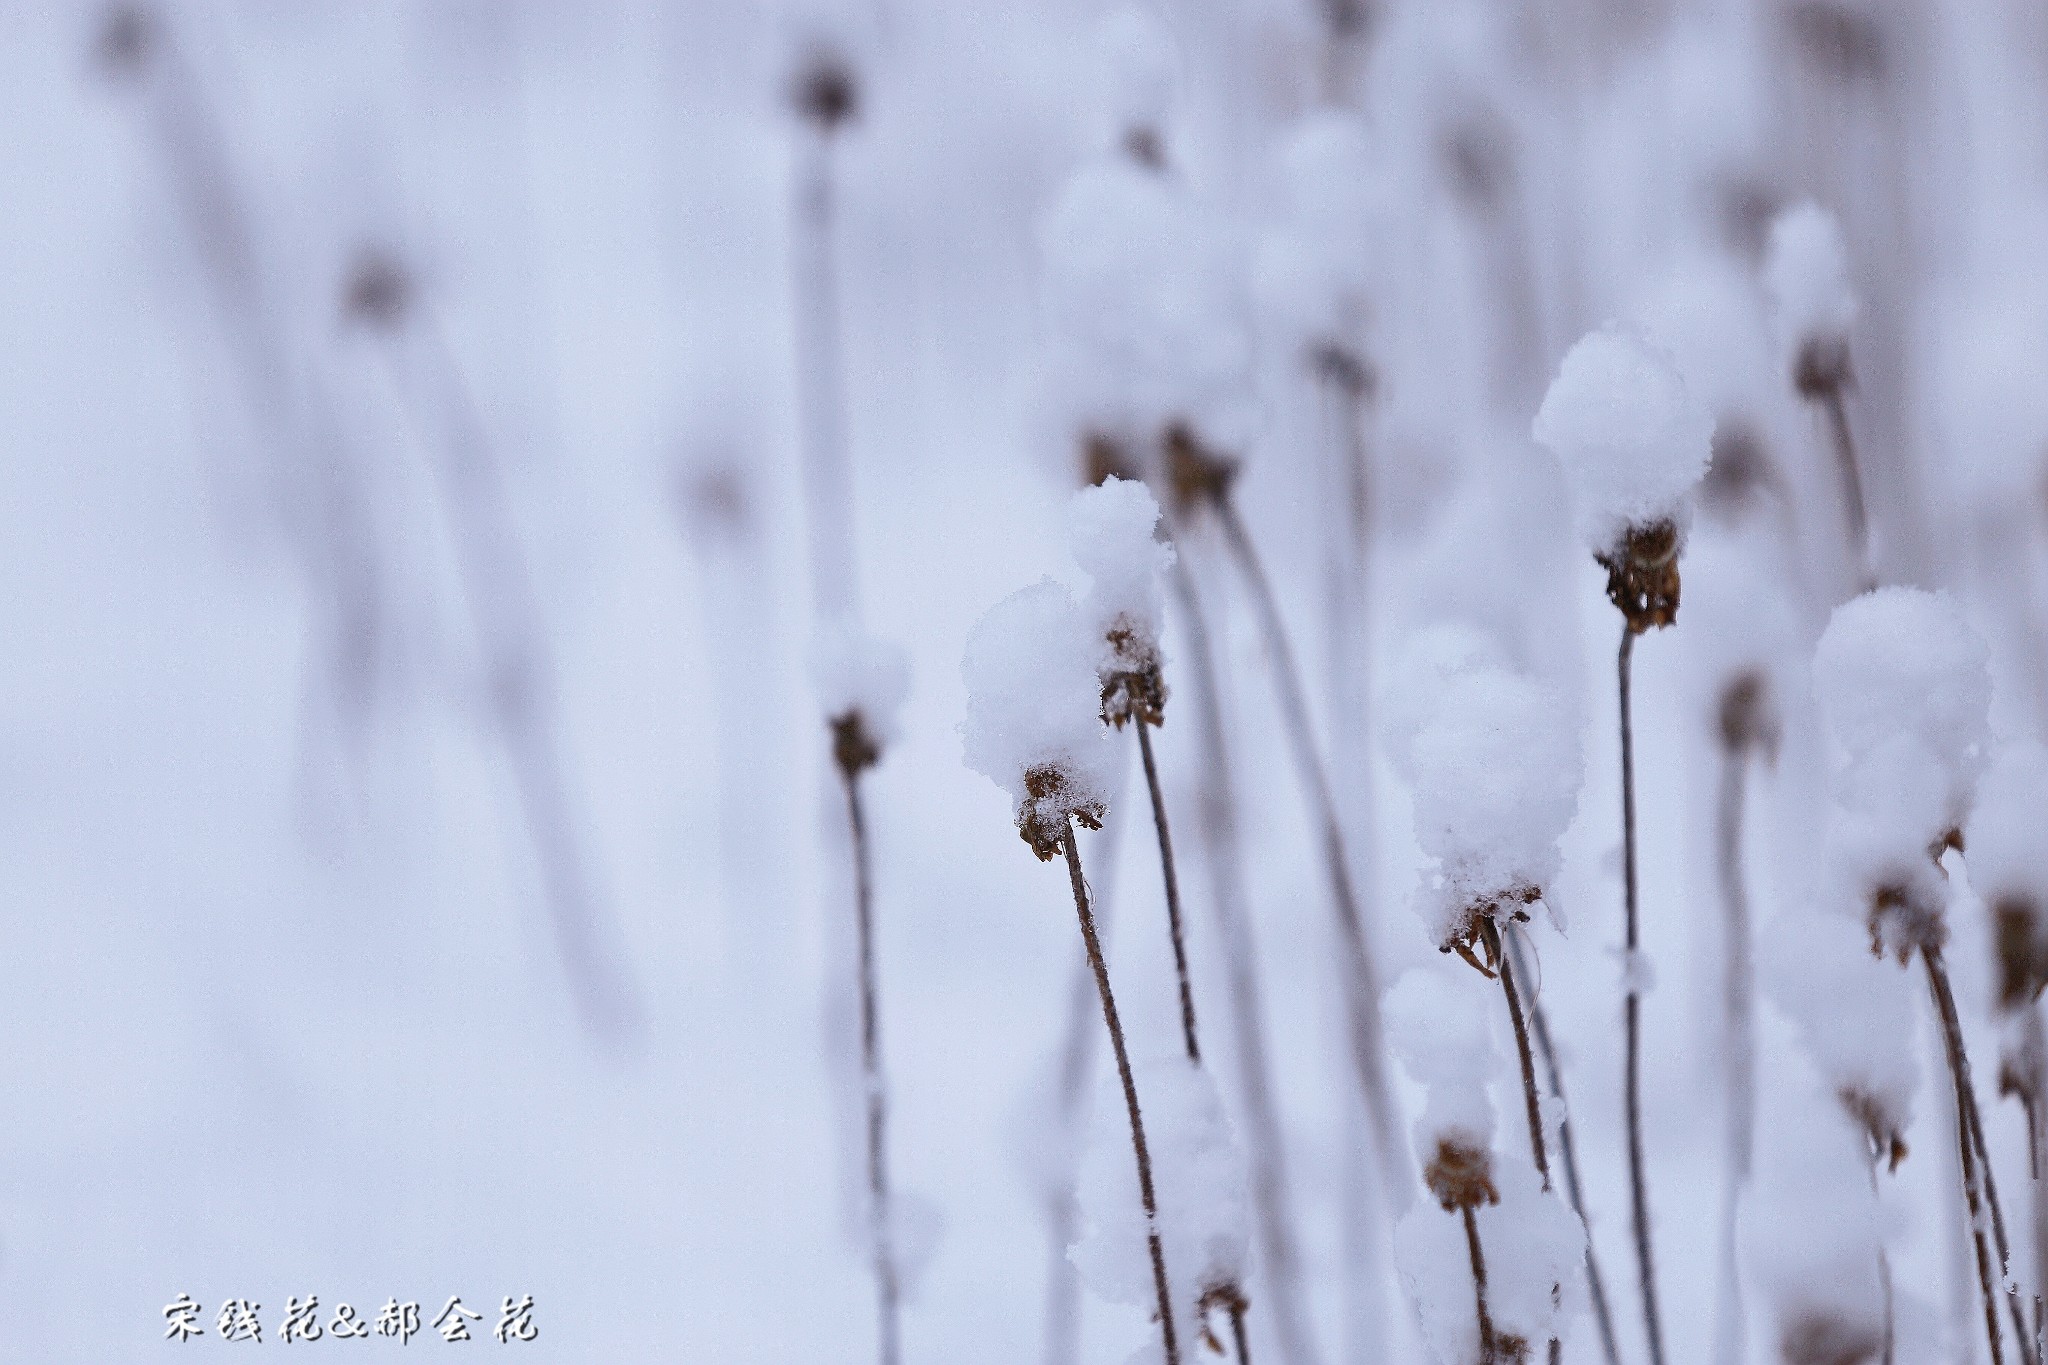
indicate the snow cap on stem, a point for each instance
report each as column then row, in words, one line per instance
column 1634, row 444
column 1034, row 713
column 1904, row 664
column 1110, row 534
column 1495, row 767
column 1806, row 273
column 1199, row 1180
column 1437, row 1026
column 861, row 683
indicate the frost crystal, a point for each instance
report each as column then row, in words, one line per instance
column 1110, row 533
column 1632, row 441
column 1034, row 724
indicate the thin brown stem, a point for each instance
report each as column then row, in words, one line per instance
column 1639, row 1199
column 1123, row 1069
column 2035, row 1047
column 1368, row 1045
column 1959, row 1077
column 1487, row 1352
column 880, row 1224
column 1530, row 1102
column 1884, row 1270
column 1172, row 880
column 1244, row 1350
column 1835, row 407
column 1217, row 825
column 1568, row 1158
column 1738, row 1077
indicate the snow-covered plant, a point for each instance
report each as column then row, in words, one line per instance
column 861, row 683
column 1634, row 444
column 1198, row 1175
column 1495, row 768
column 1110, row 534
column 1034, row 714
column 1904, row 689
column 1806, row 274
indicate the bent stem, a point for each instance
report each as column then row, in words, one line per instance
column 1071, row 844
column 1639, row 1200
column 1568, row 1157
column 1959, row 1077
column 1533, row 1106
column 1368, row 1047
column 880, row 1225
column 1218, row 827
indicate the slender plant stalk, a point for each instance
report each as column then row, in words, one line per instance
column 1130, row 1085
column 1228, row 901
column 2031, row 1095
column 1488, row 1354
column 1959, row 1076
column 1568, row 1158
column 2023, row 1337
column 1538, row 1149
column 1884, row 1275
column 881, row 1226
column 821, row 380
column 500, row 593
column 1639, row 1198
column 1835, row 407
column 1738, row 1077
column 1172, row 880
column 1236, row 1302
column 1368, row 1046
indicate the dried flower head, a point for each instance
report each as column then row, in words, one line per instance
column 1905, row 915
column 1105, row 457
column 1749, row 715
column 824, row 91
column 854, row 748
column 127, row 40
column 1198, row 476
column 1460, row 1173
column 1883, row 1127
column 1642, row 575
column 2022, row 964
column 379, row 290
column 1052, row 800
column 1824, row 1337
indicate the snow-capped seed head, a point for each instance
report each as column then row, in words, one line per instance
column 1905, row 662
column 860, row 683
column 1496, row 771
column 1415, row 685
column 1437, row 1025
column 1855, row 1018
column 1110, row 534
column 1806, row 273
column 1632, row 441
column 1034, row 724
column 2009, row 867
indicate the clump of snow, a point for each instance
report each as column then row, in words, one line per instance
column 1854, row 1014
column 1414, row 688
column 1806, row 273
column 1903, row 664
column 1146, row 308
column 1436, row 1020
column 855, row 674
column 1313, row 271
column 1632, row 440
column 1198, row 1178
column 1110, row 534
column 1495, row 767
column 1534, row 1249
column 1034, row 723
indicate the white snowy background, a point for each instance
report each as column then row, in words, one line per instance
column 282, row 1007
